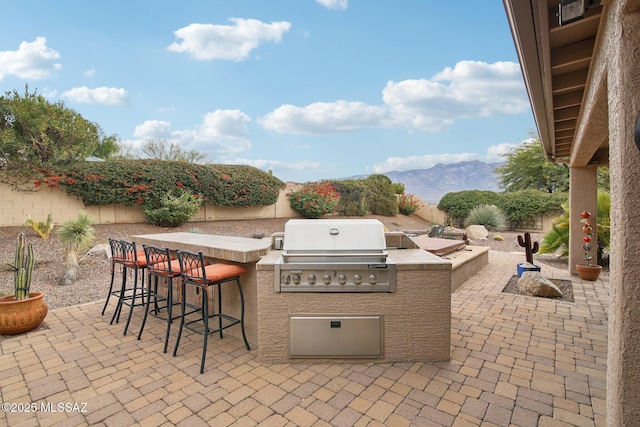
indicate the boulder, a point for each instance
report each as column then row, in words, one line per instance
column 477, row 232
column 534, row 283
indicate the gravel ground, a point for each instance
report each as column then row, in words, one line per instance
column 94, row 271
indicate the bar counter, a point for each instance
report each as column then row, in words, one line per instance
column 230, row 250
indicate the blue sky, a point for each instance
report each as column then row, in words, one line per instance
column 310, row 89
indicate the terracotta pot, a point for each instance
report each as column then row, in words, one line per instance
column 589, row 272
column 17, row 317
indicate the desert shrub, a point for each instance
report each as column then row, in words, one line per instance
column 458, row 204
column 131, row 182
column 382, row 198
column 314, row 200
column 519, row 206
column 172, row 211
column 408, row 204
column 398, row 187
column 488, row 215
column 43, row 228
column 353, row 197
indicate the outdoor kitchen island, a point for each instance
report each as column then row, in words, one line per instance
column 330, row 319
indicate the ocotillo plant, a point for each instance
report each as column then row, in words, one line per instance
column 529, row 248
column 24, row 263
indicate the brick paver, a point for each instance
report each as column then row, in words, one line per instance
column 515, row 361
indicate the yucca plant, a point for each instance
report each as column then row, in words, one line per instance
column 24, row 263
column 75, row 235
column 488, row 215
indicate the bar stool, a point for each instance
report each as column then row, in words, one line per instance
column 201, row 277
column 116, row 259
column 127, row 255
column 160, row 265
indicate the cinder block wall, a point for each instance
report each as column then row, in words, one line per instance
column 16, row 205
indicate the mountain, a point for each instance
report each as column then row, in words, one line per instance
column 433, row 183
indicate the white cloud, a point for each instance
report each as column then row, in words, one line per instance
column 334, row 4
column 229, row 42
column 324, row 117
column 99, row 95
column 153, row 128
column 90, row 73
column 33, row 60
column 471, row 89
column 492, row 155
column 221, row 134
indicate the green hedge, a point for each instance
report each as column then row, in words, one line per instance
column 458, row 204
column 516, row 205
column 353, row 197
column 145, row 182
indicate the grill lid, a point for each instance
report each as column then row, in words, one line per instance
column 334, row 237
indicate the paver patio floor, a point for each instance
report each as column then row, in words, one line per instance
column 515, row 360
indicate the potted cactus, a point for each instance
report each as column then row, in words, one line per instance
column 24, row 310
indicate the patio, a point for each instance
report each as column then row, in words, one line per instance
column 515, row 360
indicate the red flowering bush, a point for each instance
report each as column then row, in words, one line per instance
column 407, row 204
column 314, row 200
column 145, row 182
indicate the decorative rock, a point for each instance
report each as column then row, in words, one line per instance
column 535, row 284
column 477, row 232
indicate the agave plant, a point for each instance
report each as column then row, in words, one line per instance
column 490, row 216
column 24, row 263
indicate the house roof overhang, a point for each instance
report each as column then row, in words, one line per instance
column 565, row 78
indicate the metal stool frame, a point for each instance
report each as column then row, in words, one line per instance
column 160, row 265
column 194, row 273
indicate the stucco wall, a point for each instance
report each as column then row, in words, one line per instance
column 417, row 318
column 16, row 205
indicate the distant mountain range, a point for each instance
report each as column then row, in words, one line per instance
column 433, row 183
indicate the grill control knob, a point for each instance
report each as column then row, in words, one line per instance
column 296, row 279
column 311, row 279
column 326, row 279
column 373, row 279
column 286, row 279
column 342, row 279
column 357, row 279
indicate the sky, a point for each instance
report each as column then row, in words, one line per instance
column 306, row 89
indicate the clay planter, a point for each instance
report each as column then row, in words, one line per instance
column 589, row 272
column 17, row 317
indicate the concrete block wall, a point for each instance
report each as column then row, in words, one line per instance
column 16, row 205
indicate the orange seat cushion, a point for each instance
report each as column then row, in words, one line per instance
column 142, row 260
column 162, row 268
column 217, row 272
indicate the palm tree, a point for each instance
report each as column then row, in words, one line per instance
column 75, row 235
column 557, row 239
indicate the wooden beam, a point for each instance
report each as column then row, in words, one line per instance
column 567, row 133
column 569, row 99
column 573, row 52
column 565, row 114
column 569, row 82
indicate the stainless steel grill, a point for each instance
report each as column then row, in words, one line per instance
column 334, row 255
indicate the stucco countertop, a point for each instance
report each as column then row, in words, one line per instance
column 405, row 259
column 237, row 249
